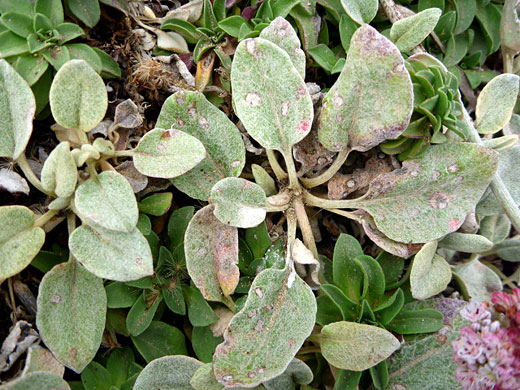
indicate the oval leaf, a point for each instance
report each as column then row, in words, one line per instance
column 192, row 113
column 19, row 240
column 238, row 202
column 78, row 96
column 112, row 255
column 430, row 272
column 372, row 99
column 211, row 250
column 262, row 339
column 168, row 373
column 356, row 347
column 17, row 108
column 479, row 280
column 361, row 11
column 167, row 153
column 108, row 201
column 496, row 102
column 409, row 32
column 59, row 173
column 269, row 95
column 71, row 314
column 38, row 381
column 430, row 196
column 282, row 34
column 465, row 242
column 160, row 339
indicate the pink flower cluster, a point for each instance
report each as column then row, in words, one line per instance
column 487, row 353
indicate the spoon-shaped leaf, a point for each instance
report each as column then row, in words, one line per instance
column 262, row 339
column 167, row 153
column 269, row 95
column 192, row 113
column 19, row 240
column 430, row 196
column 59, row 173
column 108, row 201
column 409, row 32
column 78, row 96
column 72, row 305
column 211, row 250
column 430, row 274
column 356, row 347
column 361, row 11
column 238, row 202
column 372, row 99
column 112, row 255
column 17, row 108
column 168, row 373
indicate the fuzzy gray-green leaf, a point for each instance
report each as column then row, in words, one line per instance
column 192, row 113
column 78, row 96
column 356, row 347
column 409, row 32
column 59, row 173
column 211, row 250
column 168, row 373
column 72, row 305
column 282, row 34
column 19, row 240
column 238, row 202
column 372, row 99
column 262, row 339
column 108, row 201
column 17, row 108
column 269, row 95
column 431, row 195
column 167, row 153
column 496, row 102
column 40, row 380
column 110, row 254
column 361, row 11
column 430, row 274
column 480, row 281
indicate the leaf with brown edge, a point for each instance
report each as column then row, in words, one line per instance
column 211, row 250
column 431, row 195
column 372, row 99
column 262, row 339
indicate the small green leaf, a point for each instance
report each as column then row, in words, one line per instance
column 31, row 68
column 108, row 201
column 348, row 276
column 392, row 266
column 328, row 311
column 431, row 195
column 348, row 309
column 258, row 240
column 238, row 202
column 416, row 321
column 112, row 255
column 204, row 343
column 158, row 340
column 68, row 32
column 12, row 44
column 386, row 315
column 17, row 108
column 109, row 68
column 282, row 34
column 52, row 9
column 87, row 11
column 361, row 11
column 71, row 314
column 409, row 32
column 276, row 118
column 142, row 313
column 264, row 180
column 168, row 373
column 177, row 225
column 192, row 113
column 211, row 249
column 496, row 102
column 356, row 347
column 495, row 228
column 200, row 312
column 510, row 26
column 20, row 242
column 59, row 173
column 20, row 24
column 81, row 51
column 96, row 377
column 372, row 99
column 38, row 381
column 78, row 96
column 297, row 372
column 119, row 364
column 231, row 25
column 466, row 10
column 119, row 295
column 430, row 274
column 167, row 153
column 57, row 56
column 156, row 204
column 262, row 339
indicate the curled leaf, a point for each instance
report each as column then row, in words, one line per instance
column 430, row 274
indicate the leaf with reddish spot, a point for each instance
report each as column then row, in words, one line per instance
column 262, row 339
column 269, row 95
column 430, row 196
column 372, row 100
column 211, row 250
